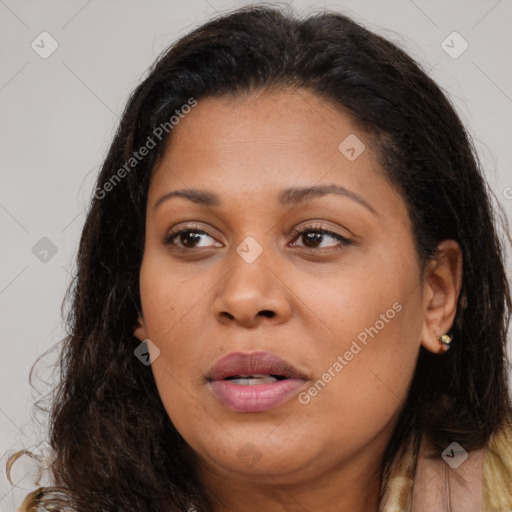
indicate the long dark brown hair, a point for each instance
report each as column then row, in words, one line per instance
column 116, row 447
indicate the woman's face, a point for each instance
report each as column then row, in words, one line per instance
column 346, row 310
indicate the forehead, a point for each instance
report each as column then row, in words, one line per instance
column 280, row 121
column 259, row 143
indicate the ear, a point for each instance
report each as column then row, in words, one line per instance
column 442, row 283
column 140, row 330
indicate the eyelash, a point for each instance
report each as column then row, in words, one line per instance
column 296, row 234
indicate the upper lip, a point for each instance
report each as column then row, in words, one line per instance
column 264, row 363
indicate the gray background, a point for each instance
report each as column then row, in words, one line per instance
column 59, row 114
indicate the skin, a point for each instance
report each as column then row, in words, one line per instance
column 200, row 305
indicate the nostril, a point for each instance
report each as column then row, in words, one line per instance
column 266, row 312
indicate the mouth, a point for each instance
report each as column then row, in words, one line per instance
column 254, row 382
column 253, row 366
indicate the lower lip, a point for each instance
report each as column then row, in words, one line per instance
column 257, row 397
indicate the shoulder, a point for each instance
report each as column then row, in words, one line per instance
column 497, row 471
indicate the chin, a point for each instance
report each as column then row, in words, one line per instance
column 261, row 458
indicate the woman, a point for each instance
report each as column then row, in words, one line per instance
column 290, row 292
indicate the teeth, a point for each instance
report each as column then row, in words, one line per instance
column 251, row 380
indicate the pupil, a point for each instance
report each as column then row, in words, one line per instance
column 313, row 237
column 186, row 237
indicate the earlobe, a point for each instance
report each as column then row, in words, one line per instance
column 442, row 284
column 140, row 330
column 445, row 340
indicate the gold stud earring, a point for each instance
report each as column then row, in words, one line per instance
column 445, row 340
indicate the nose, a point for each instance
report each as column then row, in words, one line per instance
column 251, row 293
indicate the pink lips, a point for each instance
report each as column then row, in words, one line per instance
column 256, row 397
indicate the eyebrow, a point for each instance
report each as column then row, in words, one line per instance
column 286, row 197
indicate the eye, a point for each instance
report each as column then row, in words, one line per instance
column 312, row 235
column 190, row 237
column 187, row 238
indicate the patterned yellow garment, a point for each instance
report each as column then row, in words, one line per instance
column 481, row 483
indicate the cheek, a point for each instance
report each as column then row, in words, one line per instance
column 355, row 399
column 366, row 360
column 173, row 316
column 168, row 300
column 200, row 427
